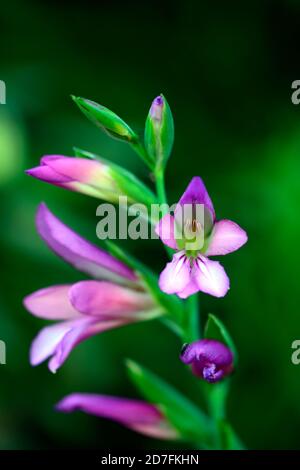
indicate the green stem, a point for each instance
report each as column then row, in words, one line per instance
column 189, row 331
column 139, row 148
column 192, row 323
column 160, row 188
column 162, row 199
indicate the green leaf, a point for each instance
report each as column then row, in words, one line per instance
column 229, row 439
column 214, row 329
column 159, row 132
column 129, row 185
column 189, row 420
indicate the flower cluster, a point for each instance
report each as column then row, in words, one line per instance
column 122, row 290
column 116, row 297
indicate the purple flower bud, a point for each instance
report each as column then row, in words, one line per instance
column 157, row 108
column 210, row 359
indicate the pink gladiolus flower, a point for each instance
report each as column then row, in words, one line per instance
column 87, row 307
column 137, row 415
column 96, row 178
column 191, row 270
column 89, row 177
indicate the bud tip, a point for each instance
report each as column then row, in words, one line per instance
column 156, row 108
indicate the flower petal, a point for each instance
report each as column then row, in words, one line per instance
column 101, row 298
column 45, row 343
column 227, row 236
column 57, row 341
column 82, row 170
column 165, row 230
column 44, row 173
column 80, row 331
column 196, row 193
column 210, row 359
column 210, row 277
column 176, row 275
column 190, row 289
column 51, row 303
column 137, row 415
column 79, row 252
column 207, row 350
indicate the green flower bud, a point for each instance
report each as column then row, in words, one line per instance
column 108, row 121
column 159, row 132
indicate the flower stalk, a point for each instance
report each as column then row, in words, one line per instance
column 122, row 290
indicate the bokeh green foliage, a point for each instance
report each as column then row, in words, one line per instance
column 226, row 71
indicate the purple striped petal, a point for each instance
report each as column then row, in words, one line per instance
column 227, row 236
column 51, row 303
column 137, row 415
column 104, row 299
column 176, row 275
column 79, row 252
column 210, row 277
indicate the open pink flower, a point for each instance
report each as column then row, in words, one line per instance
column 87, row 307
column 196, row 235
column 137, row 415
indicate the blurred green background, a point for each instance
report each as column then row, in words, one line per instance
column 226, row 70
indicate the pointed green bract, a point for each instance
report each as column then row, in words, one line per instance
column 192, row 424
column 215, row 329
column 107, row 120
column 159, row 132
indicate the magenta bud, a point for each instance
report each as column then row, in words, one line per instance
column 209, row 359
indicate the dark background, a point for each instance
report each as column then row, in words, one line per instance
column 226, row 69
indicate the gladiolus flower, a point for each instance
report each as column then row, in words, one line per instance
column 197, row 236
column 137, row 415
column 210, row 359
column 87, row 307
column 96, row 178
